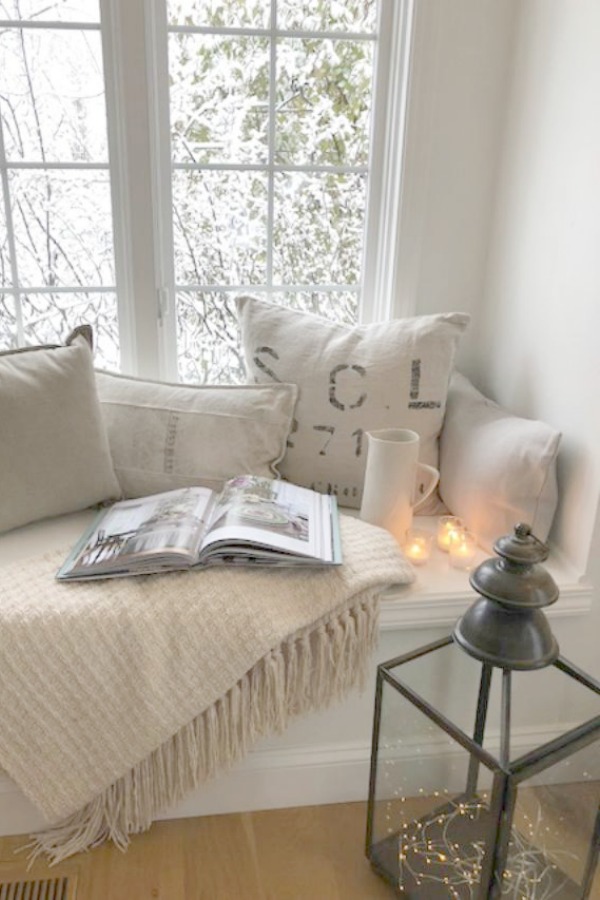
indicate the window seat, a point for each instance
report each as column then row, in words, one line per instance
column 320, row 759
column 437, row 597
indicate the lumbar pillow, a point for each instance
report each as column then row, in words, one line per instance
column 165, row 436
column 496, row 469
column 54, row 453
column 351, row 380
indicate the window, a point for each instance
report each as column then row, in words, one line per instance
column 56, row 237
column 241, row 161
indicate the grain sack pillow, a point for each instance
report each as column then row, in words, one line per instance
column 351, row 379
column 166, row 436
column 54, row 453
column 496, row 469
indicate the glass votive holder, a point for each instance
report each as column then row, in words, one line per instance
column 462, row 551
column 417, row 546
column 450, row 529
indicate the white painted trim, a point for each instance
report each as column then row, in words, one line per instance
column 381, row 297
column 244, row 31
column 407, row 608
column 157, row 73
column 114, row 79
column 56, row 25
column 277, row 777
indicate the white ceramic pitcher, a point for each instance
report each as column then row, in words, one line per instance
column 396, row 483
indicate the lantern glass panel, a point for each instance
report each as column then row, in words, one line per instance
column 555, row 817
column 448, row 679
column 534, row 698
column 430, row 833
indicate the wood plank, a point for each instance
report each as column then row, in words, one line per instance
column 305, row 853
column 289, row 854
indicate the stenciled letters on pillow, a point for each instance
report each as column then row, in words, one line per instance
column 350, row 380
column 54, row 453
column 166, row 436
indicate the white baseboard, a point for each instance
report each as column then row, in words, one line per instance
column 277, row 777
column 265, row 779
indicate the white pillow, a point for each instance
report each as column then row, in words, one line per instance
column 164, row 436
column 496, row 469
column 54, row 453
column 351, row 380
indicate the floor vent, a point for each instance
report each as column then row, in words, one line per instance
column 37, row 889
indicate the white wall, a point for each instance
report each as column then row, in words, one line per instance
column 502, row 215
column 535, row 343
column 458, row 82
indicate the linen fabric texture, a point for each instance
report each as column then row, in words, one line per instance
column 153, row 684
column 351, row 379
column 54, row 453
column 166, row 436
column 497, row 469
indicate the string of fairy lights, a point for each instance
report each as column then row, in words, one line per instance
column 429, row 852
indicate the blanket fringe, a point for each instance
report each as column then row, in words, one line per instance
column 308, row 672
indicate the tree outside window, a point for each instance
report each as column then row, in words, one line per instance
column 270, row 108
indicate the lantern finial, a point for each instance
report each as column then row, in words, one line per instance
column 507, row 627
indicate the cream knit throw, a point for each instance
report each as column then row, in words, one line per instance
column 117, row 697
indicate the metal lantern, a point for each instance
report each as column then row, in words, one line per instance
column 474, row 795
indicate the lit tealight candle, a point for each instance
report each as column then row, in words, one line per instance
column 462, row 551
column 417, row 546
column 450, row 529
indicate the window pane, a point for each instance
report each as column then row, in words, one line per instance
column 8, row 322
column 318, row 229
column 220, row 13
column 51, row 10
column 208, row 339
column 219, row 98
column 48, row 319
column 220, row 227
column 52, row 101
column 323, row 101
column 323, row 15
column 339, row 306
column 63, row 228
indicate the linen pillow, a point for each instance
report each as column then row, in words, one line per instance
column 54, row 453
column 496, row 469
column 351, row 380
column 165, row 436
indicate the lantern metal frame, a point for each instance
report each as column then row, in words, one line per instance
column 507, row 775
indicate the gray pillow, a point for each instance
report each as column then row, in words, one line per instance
column 165, row 436
column 496, row 469
column 54, row 453
column 351, row 379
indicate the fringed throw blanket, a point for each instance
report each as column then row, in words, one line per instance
column 117, row 697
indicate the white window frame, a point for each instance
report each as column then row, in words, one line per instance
column 136, row 73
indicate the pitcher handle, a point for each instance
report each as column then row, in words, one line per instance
column 425, row 491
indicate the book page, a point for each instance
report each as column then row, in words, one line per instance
column 134, row 532
column 263, row 512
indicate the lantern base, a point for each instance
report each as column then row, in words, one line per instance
column 441, row 854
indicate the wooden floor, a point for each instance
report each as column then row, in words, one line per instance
column 309, row 853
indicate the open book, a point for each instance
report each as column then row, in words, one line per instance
column 253, row 521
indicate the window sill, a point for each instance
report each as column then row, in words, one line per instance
column 440, row 593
